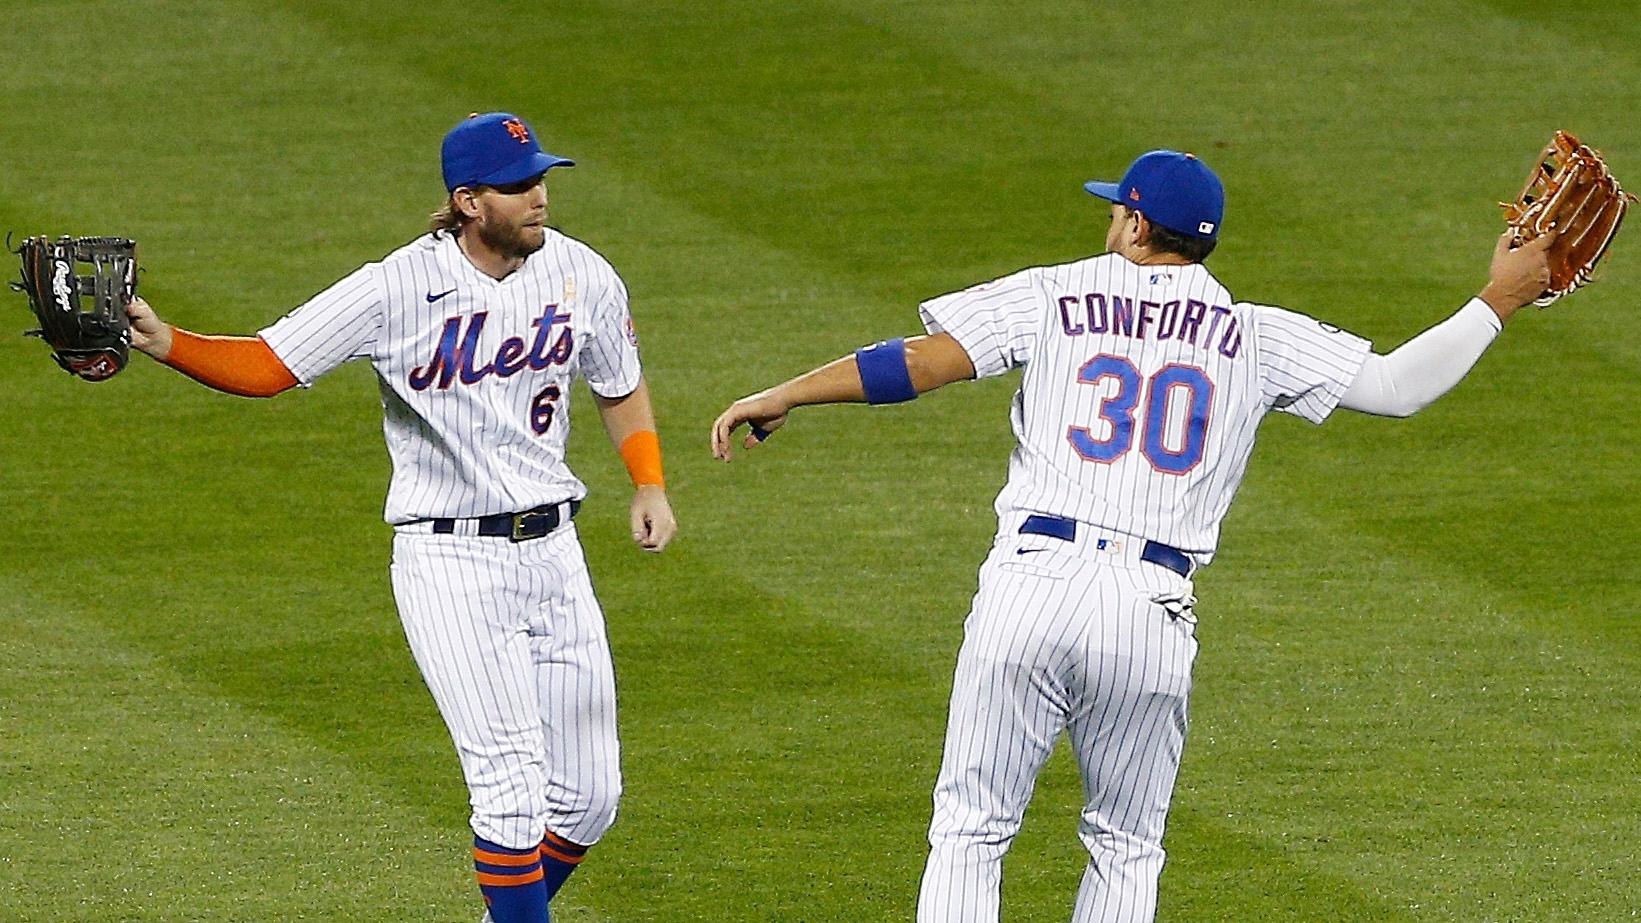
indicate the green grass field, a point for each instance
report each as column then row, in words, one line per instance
column 1417, row 694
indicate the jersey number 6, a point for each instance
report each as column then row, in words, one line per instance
column 1172, row 384
column 541, row 409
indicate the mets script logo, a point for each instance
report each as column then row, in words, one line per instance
column 458, row 351
column 517, row 130
column 60, row 286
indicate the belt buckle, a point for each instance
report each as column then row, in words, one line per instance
column 531, row 524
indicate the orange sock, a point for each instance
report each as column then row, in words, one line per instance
column 559, row 857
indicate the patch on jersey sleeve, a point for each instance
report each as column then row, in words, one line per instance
column 632, row 333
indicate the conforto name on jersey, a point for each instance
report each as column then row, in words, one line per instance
column 1191, row 321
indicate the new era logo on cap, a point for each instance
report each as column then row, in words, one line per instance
column 1206, row 227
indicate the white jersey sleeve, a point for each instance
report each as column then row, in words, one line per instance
column 340, row 323
column 609, row 360
column 1305, row 365
column 997, row 323
column 1426, row 367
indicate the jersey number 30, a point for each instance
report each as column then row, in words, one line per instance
column 1169, row 446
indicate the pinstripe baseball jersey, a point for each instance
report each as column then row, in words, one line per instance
column 474, row 372
column 1143, row 388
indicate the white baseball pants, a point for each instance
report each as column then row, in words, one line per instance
column 1066, row 636
column 511, row 642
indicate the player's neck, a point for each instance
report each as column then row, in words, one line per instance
column 1145, row 256
column 486, row 260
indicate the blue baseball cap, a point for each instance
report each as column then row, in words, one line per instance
column 494, row 149
column 1175, row 190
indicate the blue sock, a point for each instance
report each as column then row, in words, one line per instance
column 511, row 880
column 559, row 857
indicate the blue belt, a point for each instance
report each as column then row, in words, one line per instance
column 1066, row 530
column 519, row 527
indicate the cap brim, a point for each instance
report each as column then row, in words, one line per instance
column 518, row 172
column 1107, row 191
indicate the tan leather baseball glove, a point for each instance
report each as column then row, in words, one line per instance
column 1572, row 192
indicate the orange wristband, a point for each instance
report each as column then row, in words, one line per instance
column 642, row 453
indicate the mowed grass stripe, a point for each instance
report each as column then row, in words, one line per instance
column 1403, row 719
column 135, row 793
column 774, row 122
column 1360, row 148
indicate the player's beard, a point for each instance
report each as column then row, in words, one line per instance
column 511, row 241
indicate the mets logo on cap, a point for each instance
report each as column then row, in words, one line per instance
column 494, row 149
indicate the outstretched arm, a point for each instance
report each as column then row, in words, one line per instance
column 630, row 421
column 930, row 362
column 1424, row 368
column 237, row 365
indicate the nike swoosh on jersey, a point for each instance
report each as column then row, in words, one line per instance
column 432, row 297
column 1028, row 550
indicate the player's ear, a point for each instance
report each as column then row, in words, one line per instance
column 1142, row 229
column 466, row 201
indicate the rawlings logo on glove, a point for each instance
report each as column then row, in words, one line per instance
column 1572, row 192
column 90, row 340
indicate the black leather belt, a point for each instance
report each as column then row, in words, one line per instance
column 518, row 527
column 1066, row 530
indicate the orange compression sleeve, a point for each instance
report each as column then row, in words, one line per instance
column 642, row 453
column 238, row 365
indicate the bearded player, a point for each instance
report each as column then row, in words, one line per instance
column 1144, row 383
column 476, row 331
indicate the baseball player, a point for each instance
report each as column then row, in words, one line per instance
column 1144, row 384
column 476, row 331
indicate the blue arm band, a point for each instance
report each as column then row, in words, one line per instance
column 883, row 372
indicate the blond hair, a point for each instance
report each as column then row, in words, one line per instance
column 447, row 218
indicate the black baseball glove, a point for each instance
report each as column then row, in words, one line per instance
column 82, row 317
